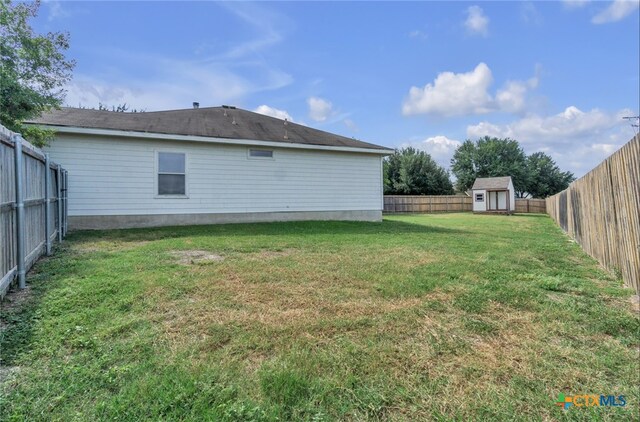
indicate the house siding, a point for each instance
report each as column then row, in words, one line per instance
column 116, row 176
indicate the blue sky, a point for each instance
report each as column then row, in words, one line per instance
column 556, row 76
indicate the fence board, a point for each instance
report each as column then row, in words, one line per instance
column 35, row 206
column 601, row 211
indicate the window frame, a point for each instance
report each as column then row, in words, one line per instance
column 251, row 157
column 476, row 195
column 157, row 173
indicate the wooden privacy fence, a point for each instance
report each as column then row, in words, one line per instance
column 531, row 206
column 601, row 211
column 425, row 204
column 449, row 203
column 33, row 207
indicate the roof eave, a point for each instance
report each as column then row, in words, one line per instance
column 206, row 139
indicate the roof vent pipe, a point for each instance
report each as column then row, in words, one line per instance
column 196, row 104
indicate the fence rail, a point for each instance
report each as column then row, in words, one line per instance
column 449, row 203
column 33, row 195
column 601, row 211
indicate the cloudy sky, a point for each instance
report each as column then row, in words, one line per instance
column 557, row 76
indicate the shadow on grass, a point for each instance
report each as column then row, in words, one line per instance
column 18, row 314
column 299, row 228
column 532, row 215
column 20, row 310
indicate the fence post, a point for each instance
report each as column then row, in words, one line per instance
column 65, row 210
column 47, row 204
column 59, row 201
column 19, row 211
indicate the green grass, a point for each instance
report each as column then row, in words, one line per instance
column 422, row 317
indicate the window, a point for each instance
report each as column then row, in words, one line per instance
column 260, row 153
column 479, row 197
column 171, row 173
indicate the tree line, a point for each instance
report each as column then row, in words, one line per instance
column 409, row 171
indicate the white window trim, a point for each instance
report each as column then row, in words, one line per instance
column 156, row 169
column 273, row 153
column 475, row 197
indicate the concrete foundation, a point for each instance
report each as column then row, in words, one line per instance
column 104, row 222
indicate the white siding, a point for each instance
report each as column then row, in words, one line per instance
column 482, row 205
column 114, row 176
column 512, row 198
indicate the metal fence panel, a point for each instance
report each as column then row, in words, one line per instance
column 23, row 214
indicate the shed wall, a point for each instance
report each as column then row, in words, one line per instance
column 479, row 206
column 512, row 198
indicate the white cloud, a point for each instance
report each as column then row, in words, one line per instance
column 319, row 108
column 530, row 13
column 440, row 147
column 56, row 11
column 616, row 11
column 453, row 94
column 225, row 77
column 273, row 112
column 351, row 125
column 572, row 123
column 578, row 140
column 477, row 22
column 160, row 91
column 574, row 4
column 512, row 98
column 418, row 34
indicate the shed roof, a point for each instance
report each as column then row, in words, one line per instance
column 492, row 182
column 216, row 122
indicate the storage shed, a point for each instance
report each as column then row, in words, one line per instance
column 209, row 165
column 494, row 195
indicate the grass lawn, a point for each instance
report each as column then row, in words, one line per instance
column 439, row 317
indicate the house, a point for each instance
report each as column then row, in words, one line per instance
column 209, row 165
column 493, row 195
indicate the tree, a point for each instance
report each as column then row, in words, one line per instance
column 463, row 165
column 33, row 70
column 412, row 172
column 490, row 157
column 545, row 178
column 120, row 108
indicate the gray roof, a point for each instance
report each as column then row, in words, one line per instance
column 492, row 182
column 207, row 122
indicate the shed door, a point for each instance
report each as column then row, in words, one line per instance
column 492, row 200
column 502, row 200
column 497, row 201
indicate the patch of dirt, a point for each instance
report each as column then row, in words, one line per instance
column 193, row 257
column 107, row 246
column 7, row 375
column 14, row 299
column 267, row 254
column 635, row 303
